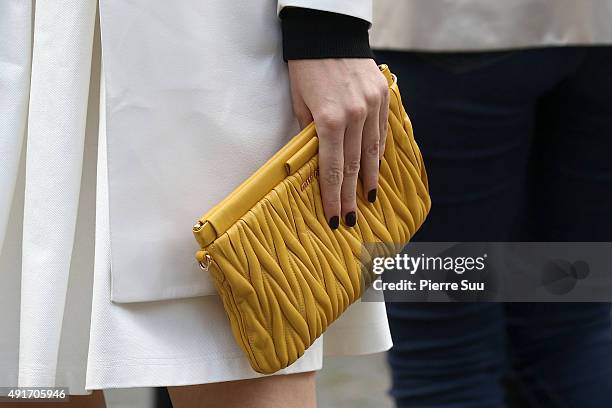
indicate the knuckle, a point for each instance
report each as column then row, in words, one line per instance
column 356, row 111
column 351, row 167
column 372, row 97
column 333, row 176
column 372, row 148
column 330, row 121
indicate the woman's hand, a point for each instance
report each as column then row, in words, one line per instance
column 348, row 99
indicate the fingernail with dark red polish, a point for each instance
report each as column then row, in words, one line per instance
column 334, row 222
column 351, row 219
column 372, row 195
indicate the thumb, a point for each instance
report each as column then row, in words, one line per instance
column 302, row 113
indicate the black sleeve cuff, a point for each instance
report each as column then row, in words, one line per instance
column 311, row 34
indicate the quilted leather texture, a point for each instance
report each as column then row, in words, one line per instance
column 284, row 276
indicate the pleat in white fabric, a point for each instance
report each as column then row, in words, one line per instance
column 58, row 92
column 15, row 60
column 15, row 54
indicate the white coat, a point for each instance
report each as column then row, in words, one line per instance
column 195, row 97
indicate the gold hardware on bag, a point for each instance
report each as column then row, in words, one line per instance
column 205, row 265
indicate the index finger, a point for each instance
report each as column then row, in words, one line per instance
column 331, row 165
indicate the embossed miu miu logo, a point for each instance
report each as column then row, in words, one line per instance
column 311, row 177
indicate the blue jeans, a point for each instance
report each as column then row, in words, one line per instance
column 518, row 147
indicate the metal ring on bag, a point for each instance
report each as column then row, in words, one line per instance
column 205, row 266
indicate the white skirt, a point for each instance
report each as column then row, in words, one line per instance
column 87, row 342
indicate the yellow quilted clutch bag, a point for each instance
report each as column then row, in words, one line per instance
column 284, row 276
